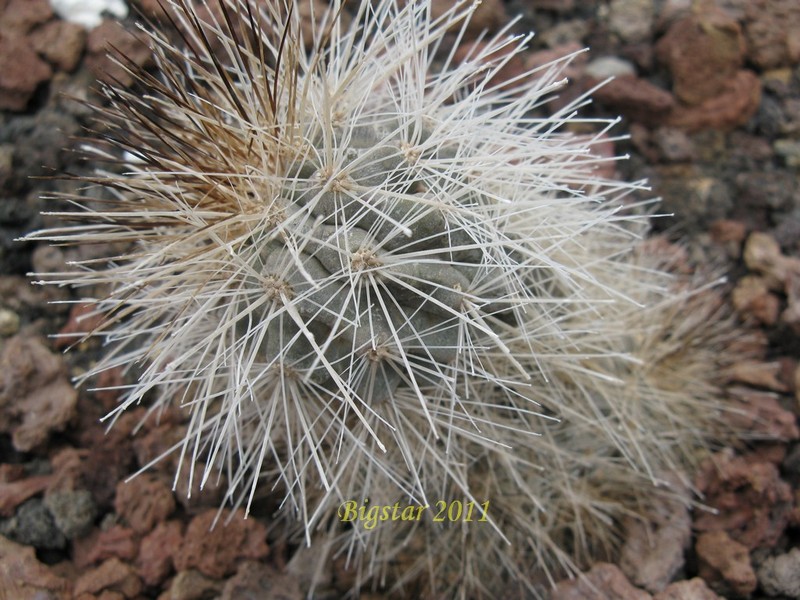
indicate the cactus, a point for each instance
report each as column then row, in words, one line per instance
column 370, row 271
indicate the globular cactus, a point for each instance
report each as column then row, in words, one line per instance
column 369, row 271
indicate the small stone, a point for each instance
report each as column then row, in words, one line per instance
column 48, row 259
column 21, row 72
column 730, row 234
column 789, row 151
column 9, row 322
column 144, row 502
column 609, row 66
column 112, row 576
column 23, row 577
column 673, row 145
column 73, row 511
column 780, row 575
column 89, row 14
column 602, row 582
column 631, row 20
column 33, row 525
column 60, row 43
column 257, row 581
column 763, row 255
column 702, row 51
column 565, row 32
column 689, row 193
column 155, row 562
column 725, row 561
column 691, row 589
column 193, row 585
column 215, row 546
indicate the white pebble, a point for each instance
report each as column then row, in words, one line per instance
column 88, row 13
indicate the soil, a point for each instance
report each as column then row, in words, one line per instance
column 710, row 94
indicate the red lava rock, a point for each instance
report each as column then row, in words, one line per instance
column 21, row 72
column 112, row 576
column 602, row 582
column 489, row 15
column 476, row 52
column 60, row 43
column 14, row 493
column 144, row 502
column 654, row 548
column 111, row 38
column 690, row 589
column 158, row 442
column 36, row 397
column 310, row 13
column 761, row 414
column 752, row 503
column 758, row 374
column 771, row 27
column 216, row 552
column 98, row 470
column 20, row 16
column 155, row 561
column 18, row 294
column 81, row 322
column 67, row 466
column 603, row 147
column 730, row 234
column 108, row 388
column 23, row 577
column 257, row 580
column 732, row 107
column 637, row 98
column 725, row 561
column 702, row 52
column 576, row 65
column 101, row 545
